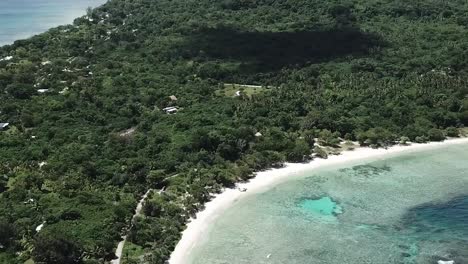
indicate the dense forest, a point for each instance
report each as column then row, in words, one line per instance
column 88, row 134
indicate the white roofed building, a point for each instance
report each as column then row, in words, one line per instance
column 170, row 110
column 4, row 126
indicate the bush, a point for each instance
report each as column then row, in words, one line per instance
column 452, row 132
column 54, row 249
column 376, row 137
column 436, row 134
column 299, row 153
column 421, row 139
column 327, row 138
column 349, row 136
column 7, row 233
column 404, row 140
column 320, row 153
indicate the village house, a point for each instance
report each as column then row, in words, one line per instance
column 7, row 58
column 170, row 110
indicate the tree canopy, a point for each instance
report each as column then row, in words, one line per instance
column 88, row 134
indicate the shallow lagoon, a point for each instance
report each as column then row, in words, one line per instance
column 411, row 208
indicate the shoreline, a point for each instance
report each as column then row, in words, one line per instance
column 27, row 30
column 261, row 181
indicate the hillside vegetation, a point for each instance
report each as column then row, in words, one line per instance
column 78, row 156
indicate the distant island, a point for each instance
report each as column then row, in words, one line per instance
column 187, row 98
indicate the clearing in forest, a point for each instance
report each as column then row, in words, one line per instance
column 232, row 89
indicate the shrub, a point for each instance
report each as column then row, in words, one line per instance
column 404, row 140
column 421, row 139
column 452, row 132
column 436, row 134
column 320, row 152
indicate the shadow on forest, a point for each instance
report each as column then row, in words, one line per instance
column 271, row 51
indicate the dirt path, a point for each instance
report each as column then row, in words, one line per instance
column 120, row 247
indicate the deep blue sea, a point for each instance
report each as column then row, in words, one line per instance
column 20, row 19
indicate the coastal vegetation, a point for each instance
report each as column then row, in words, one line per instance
column 87, row 134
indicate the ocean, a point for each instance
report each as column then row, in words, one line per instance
column 405, row 209
column 21, row 19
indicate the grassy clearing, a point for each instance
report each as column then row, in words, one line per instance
column 131, row 252
column 230, row 90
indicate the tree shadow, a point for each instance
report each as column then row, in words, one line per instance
column 271, row 51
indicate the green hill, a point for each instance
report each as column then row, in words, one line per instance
column 78, row 155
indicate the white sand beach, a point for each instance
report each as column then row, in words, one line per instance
column 267, row 179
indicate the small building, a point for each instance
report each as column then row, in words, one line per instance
column 445, row 262
column 238, row 93
column 39, row 227
column 7, row 58
column 173, row 98
column 65, row 90
column 42, row 90
column 4, row 126
column 258, row 134
column 170, row 110
column 127, row 132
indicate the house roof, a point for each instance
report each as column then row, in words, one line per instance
column 171, row 108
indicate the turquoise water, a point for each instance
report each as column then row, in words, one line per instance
column 407, row 209
column 323, row 207
column 23, row 18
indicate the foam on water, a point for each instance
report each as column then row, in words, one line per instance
column 409, row 209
